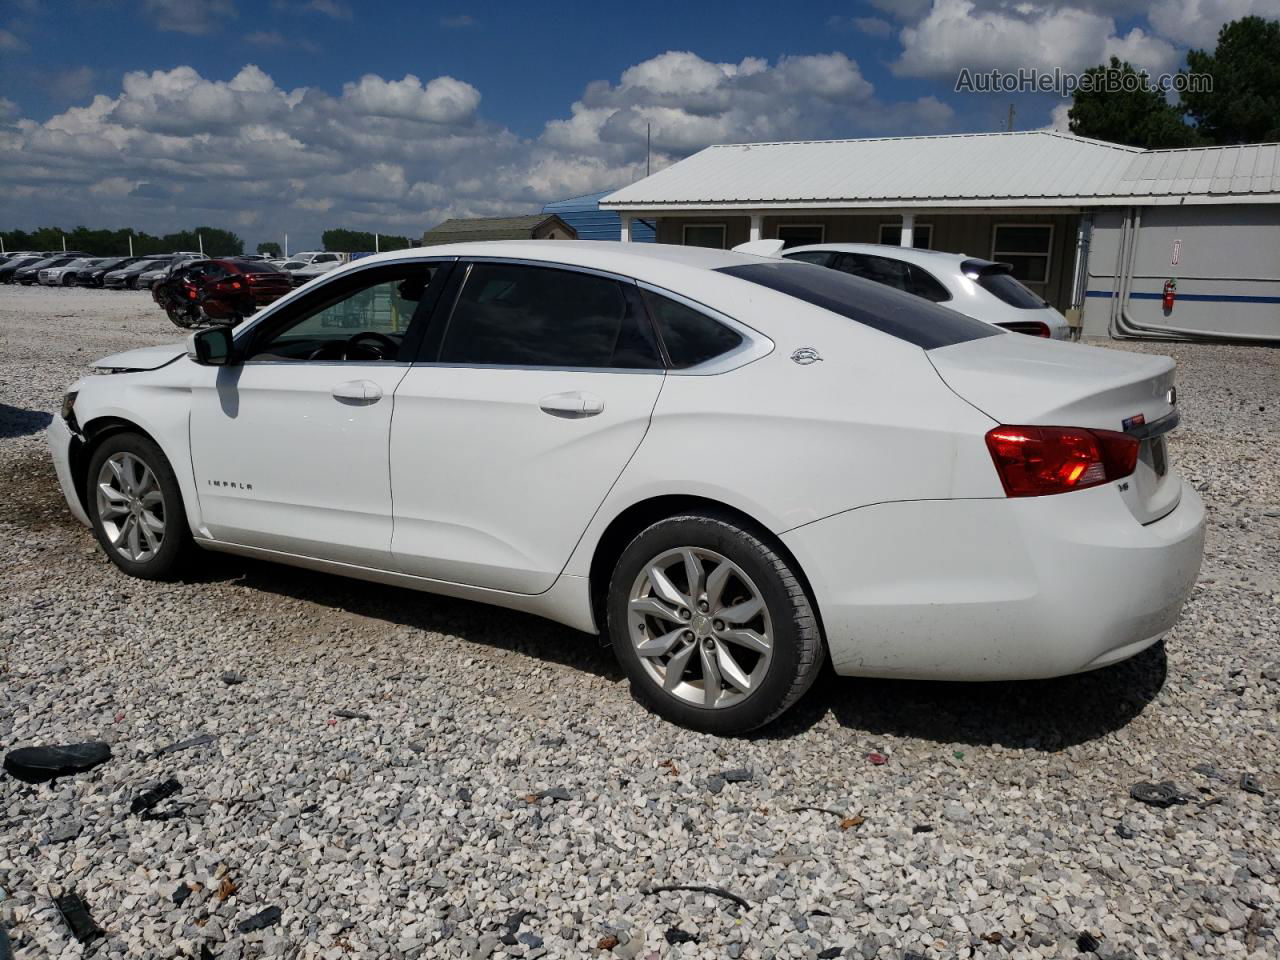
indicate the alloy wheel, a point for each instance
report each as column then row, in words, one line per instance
column 131, row 507
column 700, row 626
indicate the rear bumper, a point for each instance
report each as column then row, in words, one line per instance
column 59, row 437
column 999, row 589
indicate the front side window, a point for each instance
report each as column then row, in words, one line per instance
column 359, row 319
column 690, row 337
column 524, row 316
column 1026, row 247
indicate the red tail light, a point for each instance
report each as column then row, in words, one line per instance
column 1032, row 328
column 1035, row 461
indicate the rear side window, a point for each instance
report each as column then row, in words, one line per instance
column 515, row 315
column 690, row 337
column 894, row 312
column 1009, row 288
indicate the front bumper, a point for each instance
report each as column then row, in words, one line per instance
column 998, row 589
column 60, row 438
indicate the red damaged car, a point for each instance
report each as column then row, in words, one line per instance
column 223, row 290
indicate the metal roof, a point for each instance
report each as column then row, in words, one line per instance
column 488, row 228
column 1027, row 169
column 1239, row 170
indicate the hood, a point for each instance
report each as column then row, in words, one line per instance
column 144, row 358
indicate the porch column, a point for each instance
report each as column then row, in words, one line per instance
column 625, row 233
column 908, row 230
column 757, row 225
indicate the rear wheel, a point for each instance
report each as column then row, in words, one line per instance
column 712, row 625
column 136, row 508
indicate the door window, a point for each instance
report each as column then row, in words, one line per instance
column 523, row 316
column 361, row 318
column 820, row 257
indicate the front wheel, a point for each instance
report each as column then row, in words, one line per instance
column 135, row 506
column 712, row 625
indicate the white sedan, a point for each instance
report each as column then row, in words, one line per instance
column 983, row 289
column 736, row 468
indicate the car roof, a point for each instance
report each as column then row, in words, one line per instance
column 935, row 258
column 611, row 255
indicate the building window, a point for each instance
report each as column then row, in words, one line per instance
column 921, row 236
column 801, row 234
column 704, row 235
column 1026, row 246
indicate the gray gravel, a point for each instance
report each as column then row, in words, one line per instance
column 507, row 798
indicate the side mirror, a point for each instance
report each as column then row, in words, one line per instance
column 212, row 347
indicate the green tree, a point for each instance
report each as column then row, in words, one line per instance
column 1243, row 102
column 269, row 249
column 1119, row 107
column 362, row 241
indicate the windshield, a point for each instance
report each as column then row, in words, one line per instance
column 882, row 308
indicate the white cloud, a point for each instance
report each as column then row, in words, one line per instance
column 442, row 100
column 458, row 22
column 399, row 155
column 873, row 26
column 1196, row 23
column 11, row 42
column 189, row 16
column 959, row 34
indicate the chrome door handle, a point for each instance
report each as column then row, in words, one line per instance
column 572, row 405
column 359, row 391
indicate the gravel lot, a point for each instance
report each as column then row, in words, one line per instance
column 1001, row 824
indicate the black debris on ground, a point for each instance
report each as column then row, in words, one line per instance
column 180, row 895
column 700, row 888
column 152, row 797
column 75, row 914
column 737, row 775
column 922, row 828
column 829, row 954
column 1086, row 942
column 260, row 921
column 675, row 935
column 202, row 740
column 351, row 715
column 1124, row 831
column 42, row 764
column 68, row 831
column 232, row 679
column 1165, row 794
column 1249, row 784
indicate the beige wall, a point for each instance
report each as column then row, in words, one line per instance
column 969, row 233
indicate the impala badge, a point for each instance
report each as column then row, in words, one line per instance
column 805, row 356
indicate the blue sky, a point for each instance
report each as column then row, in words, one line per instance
column 264, row 115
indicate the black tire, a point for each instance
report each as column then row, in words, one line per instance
column 797, row 647
column 166, row 562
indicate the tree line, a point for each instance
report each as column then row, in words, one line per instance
column 1241, row 105
column 115, row 243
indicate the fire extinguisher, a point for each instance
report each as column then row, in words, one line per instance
column 1170, row 293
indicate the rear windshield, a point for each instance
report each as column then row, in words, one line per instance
column 1010, row 289
column 882, row 308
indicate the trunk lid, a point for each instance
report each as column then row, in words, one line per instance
column 1019, row 380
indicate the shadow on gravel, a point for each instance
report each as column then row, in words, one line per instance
column 20, row 422
column 33, row 498
column 1043, row 715
column 472, row 622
